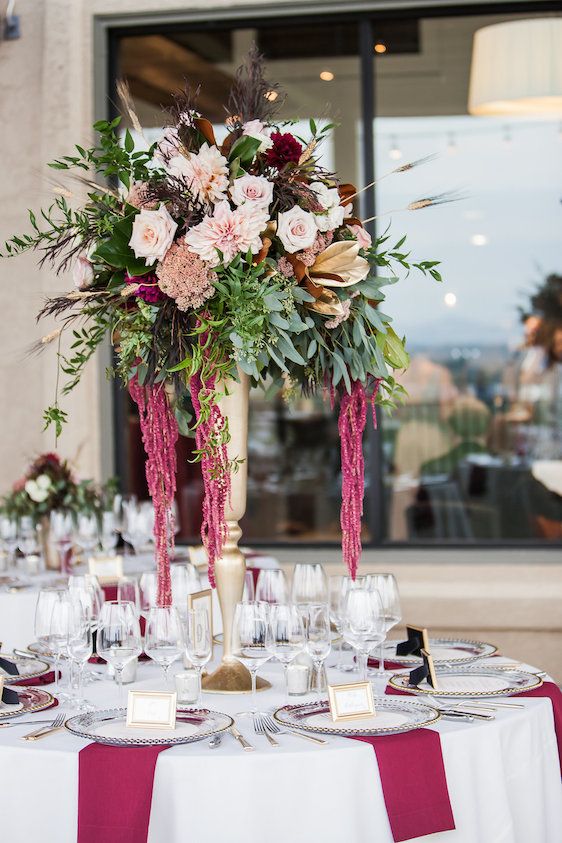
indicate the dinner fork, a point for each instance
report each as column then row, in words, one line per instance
column 260, row 728
column 57, row 723
column 274, row 727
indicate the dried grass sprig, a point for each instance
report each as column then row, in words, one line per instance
column 251, row 93
column 424, row 202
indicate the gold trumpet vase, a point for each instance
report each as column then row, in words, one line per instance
column 231, row 676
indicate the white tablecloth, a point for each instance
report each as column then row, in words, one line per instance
column 503, row 778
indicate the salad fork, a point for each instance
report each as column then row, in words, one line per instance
column 57, row 723
column 274, row 727
column 261, row 728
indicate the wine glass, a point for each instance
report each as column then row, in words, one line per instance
column 137, row 525
column 198, row 642
column 185, row 581
column 271, row 586
column 387, row 588
column 128, row 592
column 80, row 645
column 109, row 530
column 28, row 542
column 46, row 599
column 286, row 637
column 249, row 640
column 363, row 623
column 164, row 638
column 119, row 638
column 318, row 638
column 59, row 627
column 9, row 536
column 148, row 591
column 86, row 534
column 62, row 529
column 310, row 584
column 336, row 601
column 249, row 593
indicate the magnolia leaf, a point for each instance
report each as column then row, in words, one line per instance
column 394, row 350
column 341, row 259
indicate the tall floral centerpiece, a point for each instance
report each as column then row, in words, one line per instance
column 213, row 266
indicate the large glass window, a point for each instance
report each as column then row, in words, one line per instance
column 456, row 462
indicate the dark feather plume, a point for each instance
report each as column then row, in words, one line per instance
column 251, row 96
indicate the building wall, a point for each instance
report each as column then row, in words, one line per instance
column 47, row 104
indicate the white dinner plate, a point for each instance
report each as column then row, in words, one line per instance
column 471, row 681
column 393, row 715
column 27, row 668
column 444, row 651
column 109, row 727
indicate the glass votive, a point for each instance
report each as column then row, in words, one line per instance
column 187, row 686
column 298, row 679
column 129, row 672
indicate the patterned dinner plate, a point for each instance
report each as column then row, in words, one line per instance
column 471, row 681
column 446, row 651
column 27, row 668
column 109, row 727
column 392, row 716
column 31, row 699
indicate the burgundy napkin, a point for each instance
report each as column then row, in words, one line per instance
column 115, row 792
column 413, row 782
column 388, row 665
column 45, row 679
column 552, row 691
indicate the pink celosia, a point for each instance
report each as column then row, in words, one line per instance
column 184, row 277
column 138, row 196
column 228, row 232
column 285, row 267
column 307, row 257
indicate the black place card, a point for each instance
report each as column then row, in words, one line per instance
column 8, row 696
column 418, row 640
column 426, row 672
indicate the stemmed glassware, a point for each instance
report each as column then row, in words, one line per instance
column 363, row 623
column 286, row 636
column 59, row 626
column 87, row 534
column 46, row 601
column 119, row 638
column 310, row 584
column 138, row 524
column 128, row 592
column 164, row 638
column 318, row 638
column 9, row 537
column 185, row 581
column 28, row 542
column 108, row 533
column 335, row 596
column 387, row 588
column 249, row 642
column 271, row 586
column 62, row 531
column 198, row 643
column 148, row 591
column 79, row 646
column 249, row 593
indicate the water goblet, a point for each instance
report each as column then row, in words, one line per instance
column 363, row 623
column 387, row 588
column 80, row 646
column 119, row 638
column 286, row 636
column 271, row 586
column 249, row 643
column 318, row 638
column 198, row 643
column 164, row 638
column 62, row 531
column 46, row 599
column 86, row 535
column 310, row 584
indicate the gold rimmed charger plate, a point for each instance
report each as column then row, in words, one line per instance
column 37, row 668
column 31, row 699
column 501, row 683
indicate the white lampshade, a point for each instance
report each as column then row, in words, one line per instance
column 517, row 68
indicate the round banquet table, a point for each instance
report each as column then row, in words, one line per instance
column 17, row 608
column 503, row 778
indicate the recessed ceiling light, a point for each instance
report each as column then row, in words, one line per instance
column 380, row 47
column 326, row 76
column 450, row 299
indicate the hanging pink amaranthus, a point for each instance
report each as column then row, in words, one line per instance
column 351, row 424
column 215, row 472
column 159, row 435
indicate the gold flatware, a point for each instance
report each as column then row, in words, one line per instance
column 55, row 725
column 260, row 728
column 241, row 739
column 276, row 729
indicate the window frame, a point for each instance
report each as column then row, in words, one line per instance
column 110, row 28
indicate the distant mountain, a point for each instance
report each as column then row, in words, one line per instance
column 452, row 331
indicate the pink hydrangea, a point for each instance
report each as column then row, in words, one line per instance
column 307, row 257
column 184, row 277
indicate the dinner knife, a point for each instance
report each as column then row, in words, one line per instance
column 241, row 739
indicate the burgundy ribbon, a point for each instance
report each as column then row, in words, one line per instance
column 115, row 792
column 414, row 784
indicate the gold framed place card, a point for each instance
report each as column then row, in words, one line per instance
column 151, row 710
column 351, row 701
column 202, row 600
column 106, row 568
column 198, row 556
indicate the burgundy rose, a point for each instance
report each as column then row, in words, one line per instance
column 149, row 292
column 285, row 149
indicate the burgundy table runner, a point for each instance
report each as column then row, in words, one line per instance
column 45, row 679
column 414, row 784
column 115, row 792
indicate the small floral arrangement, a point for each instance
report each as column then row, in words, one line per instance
column 206, row 259
column 49, row 484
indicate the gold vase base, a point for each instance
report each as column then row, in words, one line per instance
column 232, row 678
